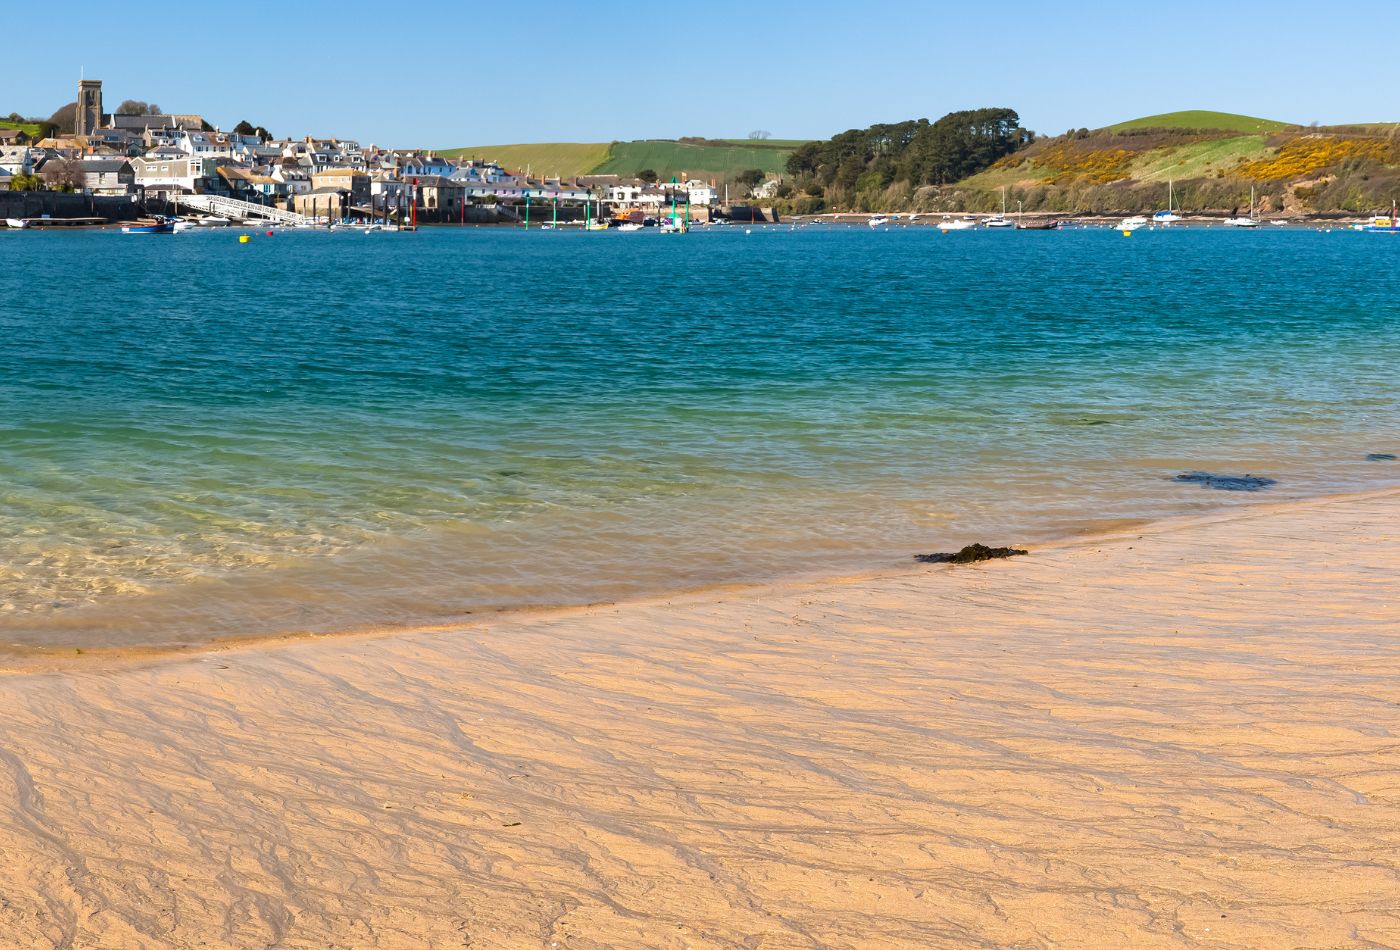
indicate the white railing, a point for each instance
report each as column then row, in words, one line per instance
column 234, row 208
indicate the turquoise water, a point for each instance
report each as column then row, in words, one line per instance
column 323, row 431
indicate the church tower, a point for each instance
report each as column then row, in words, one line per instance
column 89, row 116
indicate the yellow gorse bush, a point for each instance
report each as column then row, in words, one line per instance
column 1304, row 156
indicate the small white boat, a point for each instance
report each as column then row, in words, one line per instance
column 1244, row 222
column 879, row 221
column 1168, row 217
column 1136, row 223
column 19, row 224
column 1000, row 220
column 629, row 226
column 1279, row 224
column 957, row 224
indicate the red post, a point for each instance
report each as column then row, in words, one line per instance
column 414, row 196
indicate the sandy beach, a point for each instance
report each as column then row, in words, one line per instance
column 1183, row 735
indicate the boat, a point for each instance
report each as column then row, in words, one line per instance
column 603, row 225
column 879, row 221
column 1000, row 220
column 1135, row 223
column 1168, row 217
column 19, row 224
column 1389, row 223
column 1249, row 222
column 630, row 226
column 159, row 225
column 1038, row 226
column 957, row 224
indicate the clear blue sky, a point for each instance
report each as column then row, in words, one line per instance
column 557, row 71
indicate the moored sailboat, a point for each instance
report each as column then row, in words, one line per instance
column 1168, row 217
column 1247, row 222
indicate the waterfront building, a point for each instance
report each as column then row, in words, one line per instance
column 351, row 180
column 108, row 176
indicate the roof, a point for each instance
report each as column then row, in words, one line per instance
column 106, row 165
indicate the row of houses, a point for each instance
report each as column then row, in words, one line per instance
column 167, row 156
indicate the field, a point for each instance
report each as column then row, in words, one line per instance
column 769, row 143
column 1200, row 119
column 565, row 159
column 668, row 158
column 711, row 159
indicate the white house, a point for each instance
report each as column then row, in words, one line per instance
column 17, row 160
column 163, row 170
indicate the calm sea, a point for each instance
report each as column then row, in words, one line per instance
column 324, row 431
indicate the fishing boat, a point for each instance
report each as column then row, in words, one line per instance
column 19, row 224
column 1038, row 226
column 159, row 225
column 1246, row 222
column 1135, row 223
column 1000, row 220
column 1168, row 217
column 957, row 224
column 1389, row 223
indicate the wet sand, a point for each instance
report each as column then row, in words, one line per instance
column 1183, row 735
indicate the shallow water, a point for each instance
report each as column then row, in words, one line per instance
column 317, row 431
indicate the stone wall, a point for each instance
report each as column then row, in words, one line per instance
column 36, row 204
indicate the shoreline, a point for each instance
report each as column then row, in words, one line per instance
column 1169, row 736
column 32, row 660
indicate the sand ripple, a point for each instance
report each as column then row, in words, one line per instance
column 1172, row 739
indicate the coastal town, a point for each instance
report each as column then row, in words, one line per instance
column 156, row 161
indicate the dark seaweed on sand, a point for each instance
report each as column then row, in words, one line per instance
column 969, row 555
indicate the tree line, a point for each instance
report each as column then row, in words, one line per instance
column 917, row 152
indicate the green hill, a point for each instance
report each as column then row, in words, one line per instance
column 565, row 159
column 699, row 158
column 1200, row 119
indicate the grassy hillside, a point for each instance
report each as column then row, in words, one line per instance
column 1343, row 169
column 699, row 160
column 1201, row 119
column 29, row 128
column 565, row 159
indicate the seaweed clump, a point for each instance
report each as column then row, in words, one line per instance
column 969, row 555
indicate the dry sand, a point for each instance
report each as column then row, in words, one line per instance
column 1185, row 736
